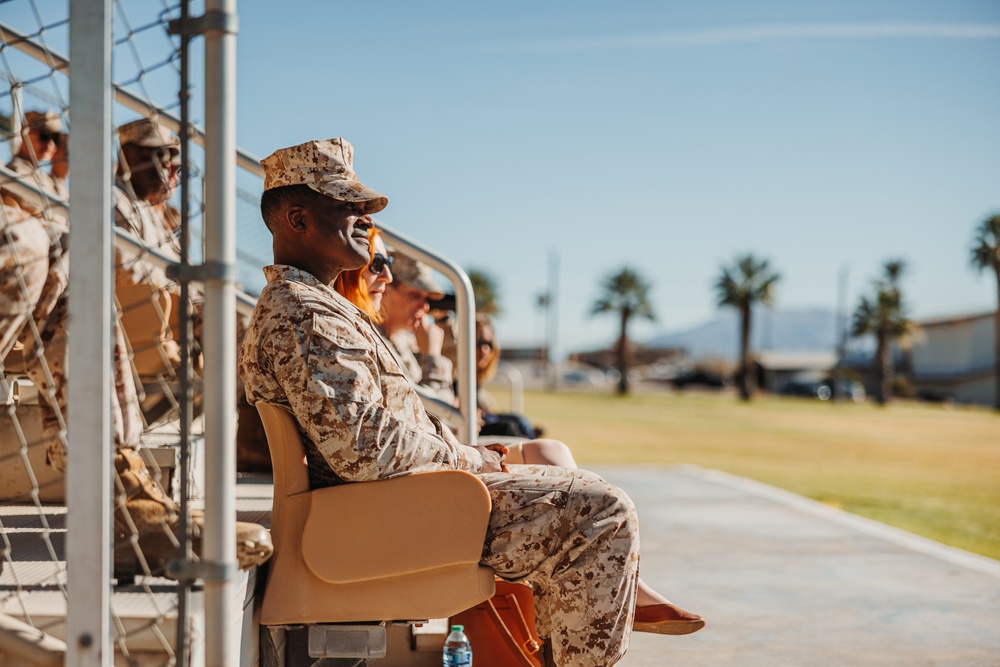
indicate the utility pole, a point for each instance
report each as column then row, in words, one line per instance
column 841, row 328
column 552, row 325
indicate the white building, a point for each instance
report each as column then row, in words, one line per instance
column 956, row 359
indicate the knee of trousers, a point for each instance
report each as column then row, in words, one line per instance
column 609, row 507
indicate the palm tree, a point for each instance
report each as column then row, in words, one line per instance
column 746, row 282
column 484, row 287
column 986, row 254
column 627, row 294
column 884, row 315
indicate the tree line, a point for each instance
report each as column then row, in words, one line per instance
column 749, row 281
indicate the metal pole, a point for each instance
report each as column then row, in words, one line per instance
column 186, row 335
column 88, row 483
column 219, row 339
column 553, row 321
column 841, row 327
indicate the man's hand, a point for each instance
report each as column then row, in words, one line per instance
column 430, row 337
column 493, row 456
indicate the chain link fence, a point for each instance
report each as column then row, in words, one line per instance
column 157, row 354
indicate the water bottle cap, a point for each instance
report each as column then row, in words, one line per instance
column 457, row 628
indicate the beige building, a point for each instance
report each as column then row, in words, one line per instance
column 956, row 359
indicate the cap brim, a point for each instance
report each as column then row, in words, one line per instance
column 352, row 191
column 428, row 287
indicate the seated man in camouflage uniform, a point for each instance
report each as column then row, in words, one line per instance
column 146, row 178
column 42, row 142
column 33, row 289
column 309, row 350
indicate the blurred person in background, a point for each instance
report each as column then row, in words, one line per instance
column 417, row 341
column 147, row 176
column 491, row 420
column 365, row 287
column 43, row 142
column 33, row 286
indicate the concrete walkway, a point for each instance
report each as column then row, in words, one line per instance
column 785, row 581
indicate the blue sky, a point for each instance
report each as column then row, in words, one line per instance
column 664, row 136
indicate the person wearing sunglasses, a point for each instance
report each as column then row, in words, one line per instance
column 365, row 287
column 43, row 143
column 146, row 177
column 417, row 341
column 313, row 353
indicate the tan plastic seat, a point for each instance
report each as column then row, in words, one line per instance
column 146, row 311
column 392, row 550
column 14, row 363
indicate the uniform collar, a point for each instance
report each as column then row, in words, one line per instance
column 284, row 272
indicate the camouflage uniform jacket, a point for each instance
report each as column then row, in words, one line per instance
column 38, row 178
column 311, row 351
column 145, row 222
column 431, row 371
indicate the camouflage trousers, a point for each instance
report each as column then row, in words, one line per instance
column 575, row 537
column 34, row 275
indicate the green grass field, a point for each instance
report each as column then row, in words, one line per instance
column 931, row 470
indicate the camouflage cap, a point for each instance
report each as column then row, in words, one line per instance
column 43, row 120
column 416, row 274
column 326, row 166
column 148, row 133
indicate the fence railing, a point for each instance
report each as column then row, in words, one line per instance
column 79, row 592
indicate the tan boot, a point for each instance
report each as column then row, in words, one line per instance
column 147, row 522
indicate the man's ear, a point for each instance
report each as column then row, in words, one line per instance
column 296, row 217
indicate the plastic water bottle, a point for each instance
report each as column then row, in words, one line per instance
column 457, row 649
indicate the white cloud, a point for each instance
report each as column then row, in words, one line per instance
column 764, row 33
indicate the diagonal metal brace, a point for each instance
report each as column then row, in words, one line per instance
column 201, row 272
column 214, row 21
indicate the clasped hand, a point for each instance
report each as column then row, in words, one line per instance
column 493, row 456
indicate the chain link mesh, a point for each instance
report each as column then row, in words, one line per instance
column 34, row 122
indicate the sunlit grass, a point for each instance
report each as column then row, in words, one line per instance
column 932, row 470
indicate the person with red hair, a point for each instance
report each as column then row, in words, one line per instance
column 364, row 288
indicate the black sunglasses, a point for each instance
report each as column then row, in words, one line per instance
column 379, row 262
column 46, row 137
column 482, row 342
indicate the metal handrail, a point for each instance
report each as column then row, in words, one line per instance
column 124, row 240
column 463, row 288
column 465, row 309
column 27, row 645
column 465, row 302
column 123, row 96
column 516, row 381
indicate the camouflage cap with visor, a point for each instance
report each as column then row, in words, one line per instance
column 326, row 166
column 148, row 133
column 416, row 274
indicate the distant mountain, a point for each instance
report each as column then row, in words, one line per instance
column 786, row 330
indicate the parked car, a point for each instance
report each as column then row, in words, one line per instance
column 822, row 389
column 701, row 378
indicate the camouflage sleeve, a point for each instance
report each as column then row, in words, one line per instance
column 332, row 381
column 436, row 374
column 128, row 270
